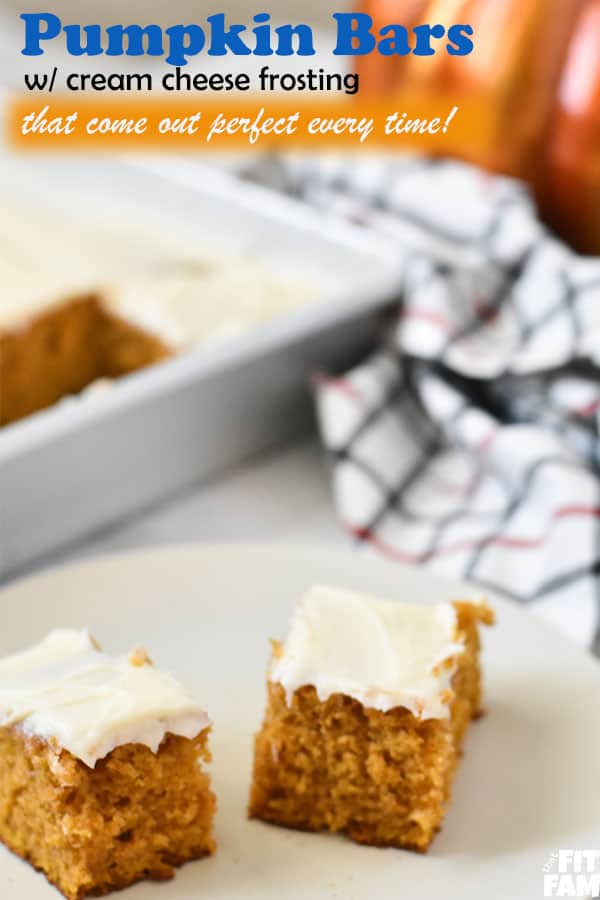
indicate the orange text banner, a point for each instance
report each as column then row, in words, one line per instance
column 63, row 122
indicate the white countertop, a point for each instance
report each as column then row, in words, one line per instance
column 281, row 497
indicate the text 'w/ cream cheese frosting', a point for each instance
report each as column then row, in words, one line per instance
column 65, row 689
column 382, row 653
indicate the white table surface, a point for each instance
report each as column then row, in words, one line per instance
column 282, row 497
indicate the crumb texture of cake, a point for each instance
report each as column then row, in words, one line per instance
column 368, row 705
column 53, row 357
column 65, row 348
column 102, row 778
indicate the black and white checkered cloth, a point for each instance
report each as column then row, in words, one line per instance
column 470, row 441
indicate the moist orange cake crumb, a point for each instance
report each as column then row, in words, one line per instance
column 135, row 815
column 326, row 760
column 66, row 348
column 96, row 789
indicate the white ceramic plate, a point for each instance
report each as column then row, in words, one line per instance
column 529, row 783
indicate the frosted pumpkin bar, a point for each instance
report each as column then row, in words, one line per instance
column 368, row 704
column 100, row 776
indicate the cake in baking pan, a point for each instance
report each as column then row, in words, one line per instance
column 368, row 705
column 80, row 304
column 102, row 775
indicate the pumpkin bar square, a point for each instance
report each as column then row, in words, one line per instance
column 368, row 705
column 102, row 781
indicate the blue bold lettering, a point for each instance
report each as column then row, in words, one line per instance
column 460, row 44
column 93, row 40
column 286, row 35
column 184, row 41
column 424, row 34
column 224, row 39
column 39, row 27
column 354, row 36
column 134, row 40
column 395, row 41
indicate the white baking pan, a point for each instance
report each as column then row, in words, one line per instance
column 93, row 460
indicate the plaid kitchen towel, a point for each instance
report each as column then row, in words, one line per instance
column 469, row 442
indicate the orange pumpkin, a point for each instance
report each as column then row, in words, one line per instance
column 536, row 66
column 569, row 185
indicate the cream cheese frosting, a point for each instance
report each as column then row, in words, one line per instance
column 153, row 278
column 65, row 690
column 382, row 653
column 189, row 303
column 44, row 261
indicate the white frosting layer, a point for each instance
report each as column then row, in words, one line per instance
column 382, row 653
column 46, row 260
column 160, row 281
column 65, row 689
column 190, row 303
